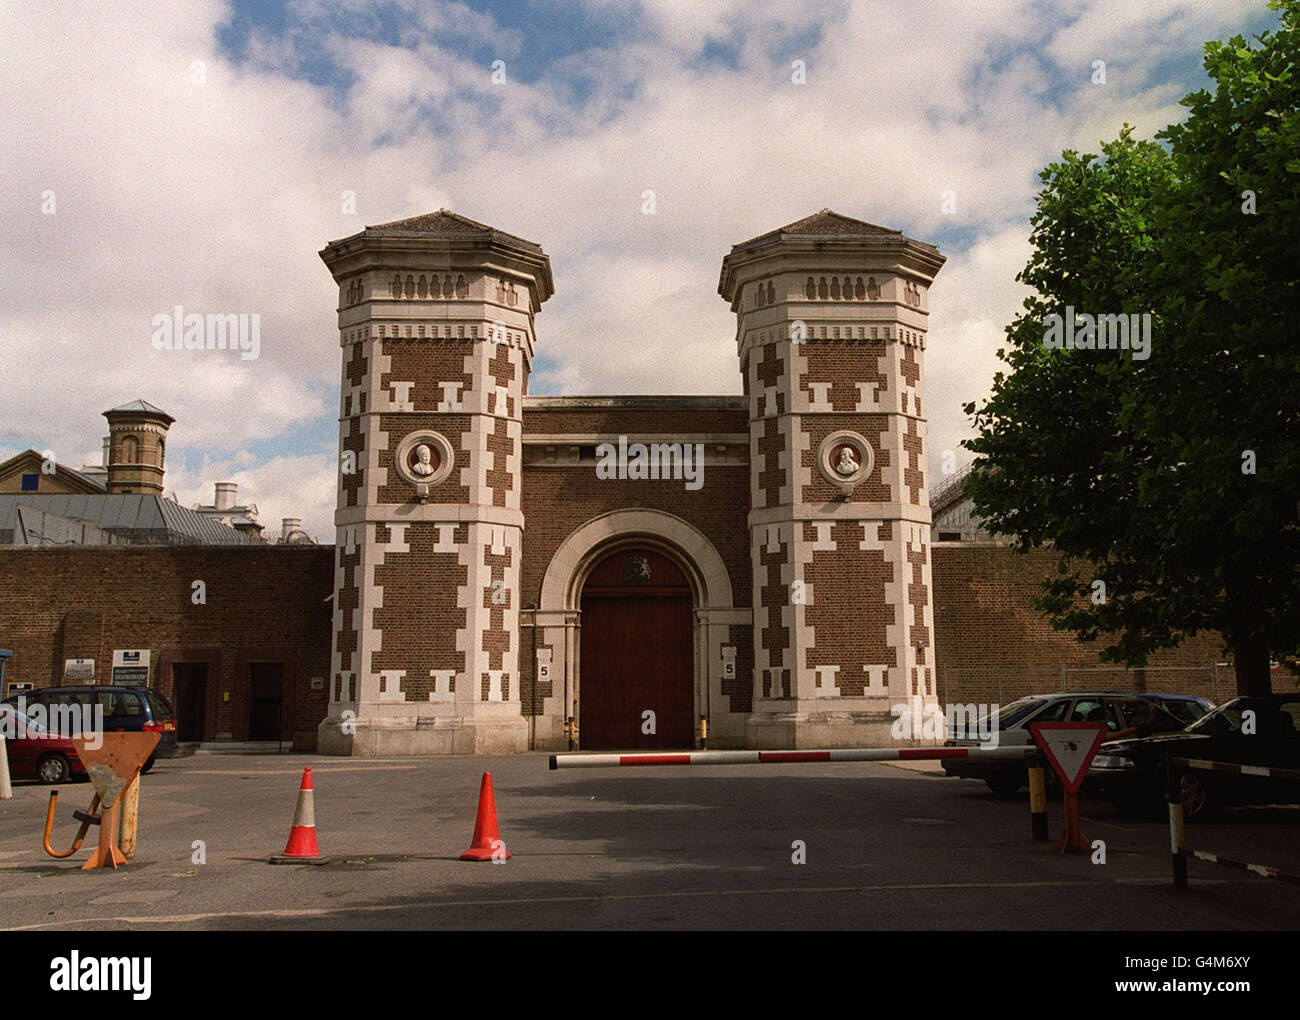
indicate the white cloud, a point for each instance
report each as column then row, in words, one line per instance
column 214, row 185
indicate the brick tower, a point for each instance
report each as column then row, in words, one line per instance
column 831, row 330
column 137, row 444
column 436, row 320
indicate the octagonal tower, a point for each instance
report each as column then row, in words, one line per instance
column 436, row 317
column 831, row 326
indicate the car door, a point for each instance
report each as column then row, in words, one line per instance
column 1278, row 733
column 20, row 747
column 68, row 712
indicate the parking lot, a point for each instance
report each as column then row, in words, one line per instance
column 887, row 847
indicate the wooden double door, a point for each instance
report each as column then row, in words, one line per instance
column 637, row 654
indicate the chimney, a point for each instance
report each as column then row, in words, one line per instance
column 107, row 444
column 225, row 496
column 289, row 526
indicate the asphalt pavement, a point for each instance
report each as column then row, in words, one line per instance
column 712, row 847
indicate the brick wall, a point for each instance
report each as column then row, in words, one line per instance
column 264, row 604
column 992, row 646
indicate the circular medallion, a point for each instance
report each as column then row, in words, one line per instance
column 844, row 459
column 423, row 458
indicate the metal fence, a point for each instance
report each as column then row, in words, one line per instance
column 995, row 685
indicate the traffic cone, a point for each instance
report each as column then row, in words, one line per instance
column 487, row 844
column 301, row 848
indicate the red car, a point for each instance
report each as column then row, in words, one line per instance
column 33, row 751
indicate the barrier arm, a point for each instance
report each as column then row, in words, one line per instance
column 591, row 761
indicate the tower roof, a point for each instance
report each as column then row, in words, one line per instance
column 823, row 223
column 407, row 245
column 443, row 223
column 825, row 237
column 141, row 407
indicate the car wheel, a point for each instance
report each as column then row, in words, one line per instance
column 1004, row 787
column 53, row 768
column 1197, row 804
column 149, row 764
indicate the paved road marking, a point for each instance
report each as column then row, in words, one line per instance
column 527, row 900
column 135, row 896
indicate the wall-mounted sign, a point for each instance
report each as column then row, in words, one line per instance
column 131, row 667
column 728, row 662
column 78, row 671
column 21, row 686
column 543, row 665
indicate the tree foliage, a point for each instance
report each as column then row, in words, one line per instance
column 1139, row 472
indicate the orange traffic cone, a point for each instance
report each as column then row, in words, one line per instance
column 301, row 848
column 487, row 844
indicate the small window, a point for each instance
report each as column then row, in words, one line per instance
column 158, row 705
column 1055, row 712
column 117, row 704
column 31, row 483
column 1094, row 710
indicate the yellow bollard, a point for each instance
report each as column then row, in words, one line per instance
column 1037, row 800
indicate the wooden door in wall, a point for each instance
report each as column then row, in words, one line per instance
column 266, row 687
column 637, row 654
column 191, row 698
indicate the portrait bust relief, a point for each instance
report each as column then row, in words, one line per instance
column 424, row 463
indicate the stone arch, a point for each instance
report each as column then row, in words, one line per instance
column 681, row 541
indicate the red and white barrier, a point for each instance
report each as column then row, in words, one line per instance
column 579, row 760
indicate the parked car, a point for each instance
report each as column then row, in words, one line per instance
column 1125, row 713
column 133, row 709
column 33, row 751
column 1132, row 772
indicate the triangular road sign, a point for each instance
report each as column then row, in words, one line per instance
column 1069, row 746
column 112, row 760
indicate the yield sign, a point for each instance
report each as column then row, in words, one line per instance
column 1069, row 746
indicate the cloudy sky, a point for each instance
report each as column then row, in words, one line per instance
column 200, row 154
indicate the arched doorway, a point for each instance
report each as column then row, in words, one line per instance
column 637, row 653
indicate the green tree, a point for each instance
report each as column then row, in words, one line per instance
column 1175, row 480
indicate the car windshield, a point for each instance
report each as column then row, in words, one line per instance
column 160, row 705
column 1226, row 719
column 1013, row 713
column 1187, row 711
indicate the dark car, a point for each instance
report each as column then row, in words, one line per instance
column 133, row 709
column 1132, row 772
column 1125, row 713
column 33, row 751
